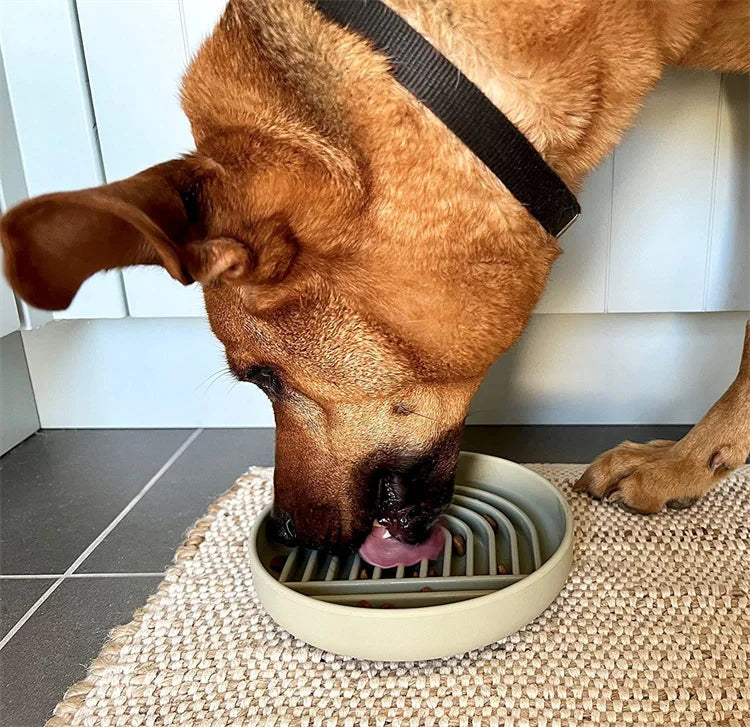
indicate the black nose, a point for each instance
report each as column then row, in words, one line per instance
column 391, row 490
column 410, row 503
column 280, row 528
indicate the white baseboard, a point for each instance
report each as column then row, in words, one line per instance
column 660, row 368
column 150, row 372
column 566, row 369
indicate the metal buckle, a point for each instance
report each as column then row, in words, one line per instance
column 568, row 224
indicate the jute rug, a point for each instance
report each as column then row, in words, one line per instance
column 652, row 628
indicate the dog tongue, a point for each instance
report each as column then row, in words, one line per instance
column 381, row 549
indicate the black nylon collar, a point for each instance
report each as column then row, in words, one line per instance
column 463, row 108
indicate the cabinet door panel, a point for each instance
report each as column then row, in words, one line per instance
column 200, row 18
column 136, row 54
column 728, row 283
column 663, row 179
column 48, row 126
column 578, row 280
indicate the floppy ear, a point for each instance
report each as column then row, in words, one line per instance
column 53, row 243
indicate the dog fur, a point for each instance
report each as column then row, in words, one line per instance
column 341, row 232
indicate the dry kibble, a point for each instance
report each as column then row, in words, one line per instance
column 431, row 573
column 415, row 573
column 425, row 589
column 364, row 604
column 277, row 563
column 363, row 575
column 502, row 570
column 387, row 605
column 491, row 522
column 459, row 545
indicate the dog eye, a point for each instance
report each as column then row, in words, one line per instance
column 265, row 378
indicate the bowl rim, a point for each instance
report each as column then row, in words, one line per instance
column 259, row 571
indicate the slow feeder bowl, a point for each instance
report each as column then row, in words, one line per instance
column 438, row 608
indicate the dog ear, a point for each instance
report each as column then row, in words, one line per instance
column 53, row 243
column 228, row 261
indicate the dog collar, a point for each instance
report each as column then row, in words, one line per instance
column 463, row 108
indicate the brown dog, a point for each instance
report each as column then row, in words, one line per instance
column 341, row 232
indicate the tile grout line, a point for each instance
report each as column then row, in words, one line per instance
column 63, row 576
column 98, row 540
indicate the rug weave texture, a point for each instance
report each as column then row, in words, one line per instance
column 653, row 627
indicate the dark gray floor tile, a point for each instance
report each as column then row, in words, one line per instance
column 559, row 443
column 16, row 597
column 53, row 648
column 147, row 537
column 59, row 489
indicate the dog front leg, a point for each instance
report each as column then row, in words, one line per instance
column 646, row 477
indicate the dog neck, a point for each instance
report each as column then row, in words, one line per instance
column 568, row 81
column 276, row 72
column 569, row 87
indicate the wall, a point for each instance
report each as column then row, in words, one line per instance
column 18, row 417
column 663, row 238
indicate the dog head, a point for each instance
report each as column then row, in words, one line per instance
column 358, row 264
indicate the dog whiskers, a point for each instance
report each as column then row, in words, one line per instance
column 211, row 379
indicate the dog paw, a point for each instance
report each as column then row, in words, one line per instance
column 642, row 478
column 682, row 503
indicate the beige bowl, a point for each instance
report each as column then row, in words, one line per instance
column 518, row 536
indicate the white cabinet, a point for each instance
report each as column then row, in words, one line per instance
column 578, row 281
column 11, row 179
column 54, row 126
column 728, row 274
column 665, row 220
column 663, row 179
column 199, row 18
column 9, row 321
column 136, row 53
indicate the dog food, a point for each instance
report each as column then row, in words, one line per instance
column 363, row 575
column 459, row 545
column 364, row 604
column 502, row 570
column 491, row 522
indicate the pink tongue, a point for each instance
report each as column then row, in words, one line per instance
column 383, row 550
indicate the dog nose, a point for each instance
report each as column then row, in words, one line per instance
column 391, row 490
column 409, row 503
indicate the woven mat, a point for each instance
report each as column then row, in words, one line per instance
column 652, row 628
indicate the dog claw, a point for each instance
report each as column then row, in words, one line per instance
column 581, row 485
column 616, row 497
column 632, row 510
column 681, row 503
column 612, row 493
